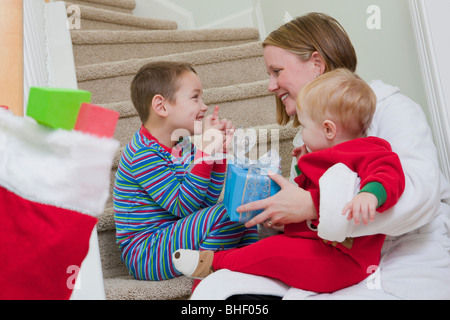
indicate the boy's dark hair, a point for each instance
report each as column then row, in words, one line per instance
column 159, row 77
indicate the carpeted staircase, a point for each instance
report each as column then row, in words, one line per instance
column 112, row 45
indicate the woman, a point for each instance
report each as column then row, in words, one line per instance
column 418, row 248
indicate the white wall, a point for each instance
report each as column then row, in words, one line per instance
column 199, row 14
column 429, row 19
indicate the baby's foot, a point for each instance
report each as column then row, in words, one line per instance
column 192, row 263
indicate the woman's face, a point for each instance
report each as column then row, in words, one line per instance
column 288, row 74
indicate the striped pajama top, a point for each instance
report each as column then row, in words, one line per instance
column 154, row 188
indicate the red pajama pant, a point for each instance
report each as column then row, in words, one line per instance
column 304, row 261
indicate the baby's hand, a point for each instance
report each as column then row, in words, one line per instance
column 299, row 151
column 363, row 204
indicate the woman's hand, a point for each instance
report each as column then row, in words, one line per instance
column 291, row 204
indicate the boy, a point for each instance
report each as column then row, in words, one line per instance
column 163, row 200
column 335, row 110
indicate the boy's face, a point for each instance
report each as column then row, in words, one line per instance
column 188, row 107
column 313, row 133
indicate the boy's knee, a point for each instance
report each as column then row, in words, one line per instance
column 221, row 207
column 218, row 210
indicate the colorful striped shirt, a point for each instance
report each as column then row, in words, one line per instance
column 155, row 186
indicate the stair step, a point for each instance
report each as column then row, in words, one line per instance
column 112, row 264
column 106, row 80
column 216, row 96
column 89, row 46
column 106, row 219
column 127, row 288
column 119, row 285
column 122, row 6
column 101, row 19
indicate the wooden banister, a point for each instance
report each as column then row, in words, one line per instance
column 11, row 55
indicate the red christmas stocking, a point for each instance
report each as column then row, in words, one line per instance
column 53, row 185
column 41, row 245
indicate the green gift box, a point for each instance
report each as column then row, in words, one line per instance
column 56, row 107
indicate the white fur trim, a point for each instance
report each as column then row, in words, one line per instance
column 68, row 169
column 338, row 185
column 224, row 283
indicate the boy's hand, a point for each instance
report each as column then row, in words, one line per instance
column 211, row 120
column 226, row 126
column 364, row 204
column 228, row 132
column 217, row 134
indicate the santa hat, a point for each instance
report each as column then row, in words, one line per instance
column 53, row 186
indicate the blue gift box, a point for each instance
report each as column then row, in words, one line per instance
column 246, row 184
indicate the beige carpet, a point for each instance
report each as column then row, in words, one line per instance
column 112, row 45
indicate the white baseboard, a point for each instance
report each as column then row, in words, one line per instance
column 428, row 20
column 241, row 19
column 164, row 9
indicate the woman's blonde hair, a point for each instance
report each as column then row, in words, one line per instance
column 340, row 96
column 309, row 33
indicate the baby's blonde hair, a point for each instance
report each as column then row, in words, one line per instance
column 341, row 96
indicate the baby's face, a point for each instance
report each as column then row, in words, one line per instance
column 313, row 133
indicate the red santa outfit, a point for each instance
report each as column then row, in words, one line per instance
column 299, row 257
